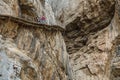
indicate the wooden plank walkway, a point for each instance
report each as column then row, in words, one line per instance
column 31, row 23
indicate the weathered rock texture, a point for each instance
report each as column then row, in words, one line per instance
column 90, row 41
column 60, row 12
column 92, row 37
column 31, row 53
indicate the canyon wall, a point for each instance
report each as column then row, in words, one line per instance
column 92, row 43
column 86, row 49
column 32, row 52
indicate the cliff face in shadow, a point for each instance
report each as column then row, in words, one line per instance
column 94, row 46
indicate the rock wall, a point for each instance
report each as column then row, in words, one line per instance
column 59, row 12
column 32, row 53
column 9, row 7
column 91, row 44
column 91, row 37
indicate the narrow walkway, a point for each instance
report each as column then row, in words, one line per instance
column 31, row 23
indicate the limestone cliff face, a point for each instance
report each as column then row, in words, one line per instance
column 92, row 46
column 84, row 50
column 32, row 52
column 60, row 12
